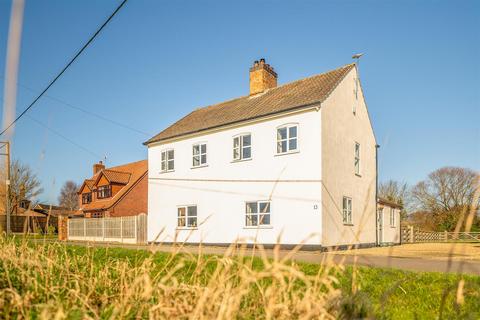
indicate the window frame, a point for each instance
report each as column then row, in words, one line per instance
column 278, row 140
column 241, row 147
column 105, row 192
column 393, row 219
column 164, row 162
column 199, row 155
column 187, row 216
column 257, row 215
column 347, row 212
column 84, row 195
column 357, row 159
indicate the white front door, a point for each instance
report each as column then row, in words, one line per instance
column 380, row 226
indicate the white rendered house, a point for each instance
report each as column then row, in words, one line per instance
column 294, row 163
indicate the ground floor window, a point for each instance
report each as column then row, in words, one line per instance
column 187, row 216
column 257, row 213
column 392, row 217
column 347, row 210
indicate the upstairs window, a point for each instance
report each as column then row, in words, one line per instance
column 347, row 210
column 104, row 192
column 199, row 154
column 242, row 147
column 392, row 217
column 187, row 216
column 287, row 139
column 257, row 213
column 86, row 197
column 357, row 158
column 168, row 160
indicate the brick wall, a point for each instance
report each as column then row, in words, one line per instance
column 134, row 202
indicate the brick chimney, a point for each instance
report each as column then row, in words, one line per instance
column 262, row 77
column 97, row 167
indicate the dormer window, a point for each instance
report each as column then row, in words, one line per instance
column 104, row 192
column 86, row 197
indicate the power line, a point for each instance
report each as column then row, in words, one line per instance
column 90, row 113
column 65, row 138
column 66, row 67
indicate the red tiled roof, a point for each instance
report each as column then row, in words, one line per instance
column 127, row 174
column 290, row 96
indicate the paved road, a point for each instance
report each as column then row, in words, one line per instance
column 412, row 264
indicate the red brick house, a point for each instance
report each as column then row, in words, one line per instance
column 116, row 191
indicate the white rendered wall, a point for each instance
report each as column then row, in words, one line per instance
column 295, row 206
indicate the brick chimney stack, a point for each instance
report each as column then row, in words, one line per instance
column 97, row 167
column 262, row 77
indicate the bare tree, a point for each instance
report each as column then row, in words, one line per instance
column 397, row 192
column 68, row 196
column 447, row 195
column 24, row 185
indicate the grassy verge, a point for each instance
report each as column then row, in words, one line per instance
column 52, row 280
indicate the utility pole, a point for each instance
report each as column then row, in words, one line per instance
column 6, row 144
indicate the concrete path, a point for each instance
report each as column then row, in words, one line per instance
column 411, row 264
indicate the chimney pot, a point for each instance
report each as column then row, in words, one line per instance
column 262, row 77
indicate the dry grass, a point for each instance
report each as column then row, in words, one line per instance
column 47, row 281
column 436, row 251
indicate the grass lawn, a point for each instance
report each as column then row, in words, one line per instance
column 47, row 280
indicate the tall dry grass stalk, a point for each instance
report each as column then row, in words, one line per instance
column 48, row 281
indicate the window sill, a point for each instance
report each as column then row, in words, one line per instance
column 168, row 171
column 240, row 160
column 286, row 153
column 348, row 224
column 258, row 227
column 198, row 167
column 186, row 228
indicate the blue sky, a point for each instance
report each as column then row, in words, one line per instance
column 158, row 60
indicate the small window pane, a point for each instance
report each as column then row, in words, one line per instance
column 281, row 133
column 163, row 165
column 264, row 207
column 181, row 212
column 251, row 220
column 164, row 154
column 204, row 148
column 204, row 158
column 246, row 153
column 292, row 132
column 170, row 165
column 192, row 221
column 196, row 149
column 236, row 153
column 283, row 146
column 264, row 219
column 192, row 211
column 251, row 207
column 292, row 144
column 236, row 142
column 247, row 140
column 170, row 154
column 196, row 161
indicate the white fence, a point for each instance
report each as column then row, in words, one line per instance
column 131, row 229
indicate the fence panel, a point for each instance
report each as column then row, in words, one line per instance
column 119, row 229
column 410, row 234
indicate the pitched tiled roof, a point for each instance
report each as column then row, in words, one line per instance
column 117, row 176
column 134, row 171
column 298, row 94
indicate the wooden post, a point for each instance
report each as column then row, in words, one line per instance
column 445, row 235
